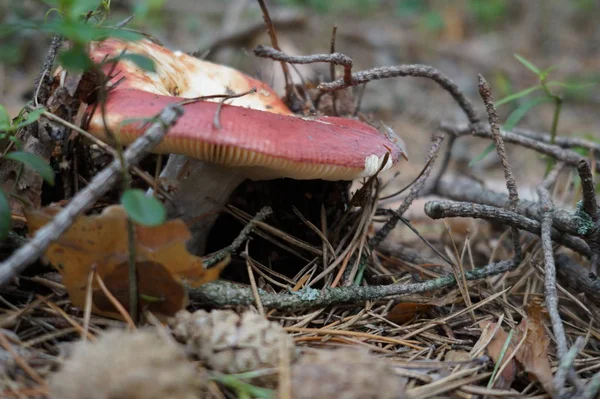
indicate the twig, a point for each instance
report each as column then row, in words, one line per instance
column 42, row 78
column 414, row 192
column 551, row 292
column 576, row 278
column 125, row 22
column 354, row 79
column 444, row 166
column 485, row 91
column 242, row 35
column 592, row 388
column 561, row 141
column 332, row 58
column 566, row 366
column 590, row 207
column 567, row 156
column 332, row 70
column 417, row 71
column 240, row 239
column 440, row 209
column 99, row 185
column 108, row 149
column 463, row 189
column 224, row 293
column 273, row 36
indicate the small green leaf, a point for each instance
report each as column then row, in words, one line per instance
column 518, row 95
column 32, row 117
column 75, row 59
column 528, row 64
column 17, row 143
column 138, row 59
column 572, row 86
column 81, row 7
column 34, row 162
column 143, row 209
column 545, row 72
column 484, row 154
column 4, row 119
column 5, row 220
column 515, row 117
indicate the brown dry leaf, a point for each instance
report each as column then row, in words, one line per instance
column 405, row 311
column 100, row 242
column 494, row 349
column 533, row 353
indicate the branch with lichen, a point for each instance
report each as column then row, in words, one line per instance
column 223, row 293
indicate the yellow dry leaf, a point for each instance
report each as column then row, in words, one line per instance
column 163, row 263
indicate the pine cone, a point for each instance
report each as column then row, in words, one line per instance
column 232, row 343
column 345, row 373
column 122, row 365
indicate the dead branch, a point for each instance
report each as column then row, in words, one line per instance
column 440, row 209
column 464, row 189
column 551, row 293
column 485, row 91
column 273, row 36
column 561, row 141
column 567, row 156
column 223, row 293
column 354, row 79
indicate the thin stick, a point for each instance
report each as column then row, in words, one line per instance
column 249, row 264
column 115, row 302
column 485, row 91
column 414, row 192
column 87, row 312
column 550, row 269
column 98, row 186
column 332, row 70
column 274, row 43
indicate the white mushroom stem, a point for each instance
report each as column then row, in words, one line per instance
column 203, row 191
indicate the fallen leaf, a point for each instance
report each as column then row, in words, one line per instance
column 494, row 349
column 405, row 311
column 164, row 265
column 533, row 353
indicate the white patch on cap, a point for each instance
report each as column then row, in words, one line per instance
column 308, row 118
column 373, row 163
column 177, row 53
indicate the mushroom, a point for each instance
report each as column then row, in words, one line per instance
column 257, row 136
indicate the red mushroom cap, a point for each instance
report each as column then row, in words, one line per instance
column 265, row 144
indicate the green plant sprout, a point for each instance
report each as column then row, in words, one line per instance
column 8, row 128
column 549, row 96
column 242, row 388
